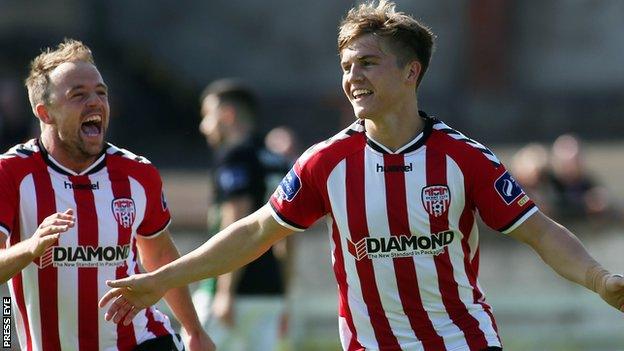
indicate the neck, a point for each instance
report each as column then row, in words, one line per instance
column 396, row 130
column 71, row 159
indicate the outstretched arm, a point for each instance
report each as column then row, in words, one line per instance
column 233, row 247
column 16, row 257
column 562, row 251
column 155, row 252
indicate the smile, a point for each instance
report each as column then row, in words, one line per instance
column 358, row 93
column 92, row 125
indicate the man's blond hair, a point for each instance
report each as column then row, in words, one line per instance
column 38, row 81
column 408, row 39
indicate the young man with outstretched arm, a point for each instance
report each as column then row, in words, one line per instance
column 400, row 191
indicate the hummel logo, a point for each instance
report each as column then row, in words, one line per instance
column 70, row 186
column 394, row 168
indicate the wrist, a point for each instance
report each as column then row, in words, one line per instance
column 596, row 278
column 194, row 330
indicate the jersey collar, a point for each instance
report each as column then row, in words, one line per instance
column 413, row 145
column 57, row 166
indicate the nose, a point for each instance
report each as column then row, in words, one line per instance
column 94, row 99
column 354, row 74
column 206, row 125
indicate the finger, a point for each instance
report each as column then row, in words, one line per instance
column 111, row 294
column 113, row 310
column 130, row 316
column 53, row 229
column 63, row 221
column 122, row 312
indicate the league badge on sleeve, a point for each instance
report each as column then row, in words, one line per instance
column 289, row 187
column 507, row 187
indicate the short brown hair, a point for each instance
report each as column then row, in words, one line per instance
column 38, row 80
column 409, row 39
column 231, row 91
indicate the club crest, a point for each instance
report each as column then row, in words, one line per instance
column 436, row 199
column 124, row 211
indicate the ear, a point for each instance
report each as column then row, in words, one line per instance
column 41, row 111
column 412, row 71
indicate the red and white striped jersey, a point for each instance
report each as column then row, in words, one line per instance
column 404, row 238
column 56, row 296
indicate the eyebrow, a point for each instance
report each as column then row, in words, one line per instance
column 362, row 58
column 81, row 86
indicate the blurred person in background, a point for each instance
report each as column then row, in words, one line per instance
column 530, row 167
column 74, row 212
column 243, row 311
column 576, row 194
column 282, row 141
column 400, row 191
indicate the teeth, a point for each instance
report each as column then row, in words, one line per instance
column 359, row 92
column 95, row 118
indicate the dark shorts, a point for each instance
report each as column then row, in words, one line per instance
column 161, row 343
column 493, row 348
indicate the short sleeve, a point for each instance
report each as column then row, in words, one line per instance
column 157, row 216
column 297, row 202
column 8, row 199
column 502, row 203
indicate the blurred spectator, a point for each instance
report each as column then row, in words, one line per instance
column 283, row 141
column 529, row 165
column 244, row 311
column 576, row 194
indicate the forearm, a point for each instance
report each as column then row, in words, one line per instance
column 565, row 254
column 178, row 299
column 14, row 259
column 230, row 249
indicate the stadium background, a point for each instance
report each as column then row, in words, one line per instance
column 505, row 72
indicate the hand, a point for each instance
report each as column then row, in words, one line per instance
column 49, row 231
column 222, row 308
column 198, row 340
column 131, row 295
column 613, row 291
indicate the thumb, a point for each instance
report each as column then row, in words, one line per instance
column 615, row 282
column 120, row 283
column 48, row 240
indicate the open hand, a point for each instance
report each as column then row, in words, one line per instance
column 130, row 295
column 49, row 231
column 613, row 291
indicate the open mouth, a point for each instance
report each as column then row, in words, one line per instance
column 92, row 125
column 359, row 93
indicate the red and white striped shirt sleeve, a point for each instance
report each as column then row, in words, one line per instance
column 157, row 216
column 297, row 201
column 502, row 203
